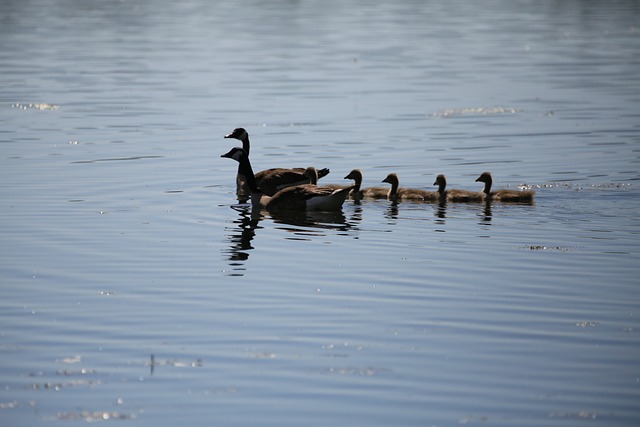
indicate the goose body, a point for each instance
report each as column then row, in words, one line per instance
column 396, row 193
column 300, row 197
column 513, row 196
column 456, row 195
column 270, row 181
column 370, row 192
column 308, row 197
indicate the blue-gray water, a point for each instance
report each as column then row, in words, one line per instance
column 134, row 290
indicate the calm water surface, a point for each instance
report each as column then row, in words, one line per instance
column 135, row 290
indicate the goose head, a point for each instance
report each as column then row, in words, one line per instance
column 355, row 175
column 392, row 179
column 488, row 181
column 441, row 182
column 485, row 177
column 241, row 135
column 238, row 133
column 244, row 167
column 236, row 153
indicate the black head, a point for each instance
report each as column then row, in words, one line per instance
column 391, row 179
column 236, row 154
column 354, row 174
column 485, row 177
column 238, row 133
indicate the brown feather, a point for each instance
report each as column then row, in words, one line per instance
column 507, row 196
column 456, row 195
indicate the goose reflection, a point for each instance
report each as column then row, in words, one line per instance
column 240, row 237
column 392, row 211
column 485, row 216
column 440, row 210
column 303, row 225
column 313, row 223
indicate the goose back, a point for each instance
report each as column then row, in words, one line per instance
column 507, row 196
column 301, row 197
column 369, row 192
column 397, row 193
column 455, row 195
column 270, row 181
column 308, row 197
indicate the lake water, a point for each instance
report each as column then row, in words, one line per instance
column 135, row 290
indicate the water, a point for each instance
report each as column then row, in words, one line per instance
column 136, row 290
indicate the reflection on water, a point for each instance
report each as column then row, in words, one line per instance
column 301, row 225
column 240, row 235
column 439, row 208
column 441, row 213
column 115, row 105
column 313, row 223
column 307, row 225
column 485, row 216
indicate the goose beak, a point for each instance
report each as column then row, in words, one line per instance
column 229, row 135
column 478, row 180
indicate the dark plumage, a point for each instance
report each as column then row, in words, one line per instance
column 397, row 194
column 270, row 181
column 456, row 195
column 506, row 196
column 300, row 197
column 370, row 192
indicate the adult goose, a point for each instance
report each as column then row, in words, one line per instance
column 456, row 195
column 270, row 181
column 396, row 193
column 513, row 196
column 299, row 197
column 370, row 192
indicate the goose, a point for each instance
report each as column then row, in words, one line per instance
column 270, row 181
column 397, row 194
column 504, row 195
column 299, row 197
column 370, row 192
column 456, row 195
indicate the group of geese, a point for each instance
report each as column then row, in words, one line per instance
column 298, row 189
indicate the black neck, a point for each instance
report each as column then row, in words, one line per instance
column 245, row 144
column 487, row 186
column 244, row 167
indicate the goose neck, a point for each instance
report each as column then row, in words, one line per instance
column 487, row 187
column 244, row 167
column 245, row 143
